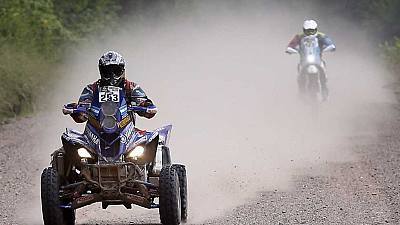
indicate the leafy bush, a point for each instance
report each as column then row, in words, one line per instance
column 392, row 54
column 31, row 26
column 379, row 17
column 34, row 35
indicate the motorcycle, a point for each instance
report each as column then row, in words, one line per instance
column 311, row 67
column 114, row 163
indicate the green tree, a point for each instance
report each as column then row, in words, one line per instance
column 31, row 26
column 34, row 34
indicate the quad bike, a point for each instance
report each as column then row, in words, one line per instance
column 114, row 163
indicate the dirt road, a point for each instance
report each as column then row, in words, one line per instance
column 238, row 111
column 362, row 191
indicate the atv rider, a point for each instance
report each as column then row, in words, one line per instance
column 112, row 73
column 310, row 28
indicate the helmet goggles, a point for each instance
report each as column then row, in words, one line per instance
column 310, row 31
column 111, row 73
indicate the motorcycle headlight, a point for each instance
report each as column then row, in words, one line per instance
column 83, row 153
column 312, row 69
column 136, row 153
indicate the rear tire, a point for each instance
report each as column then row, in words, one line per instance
column 181, row 170
column 52, row 213
column 170, row 201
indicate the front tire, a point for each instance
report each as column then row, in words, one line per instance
column 181, row 170
column 52, row 213
column 170, row 200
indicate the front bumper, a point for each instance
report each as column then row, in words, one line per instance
column 117, row 183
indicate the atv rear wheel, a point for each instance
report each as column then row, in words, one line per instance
column 181, row 170
column 52, row 213
column 170, row 200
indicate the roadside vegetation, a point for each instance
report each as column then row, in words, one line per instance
column 35, row 34
column 381, row 18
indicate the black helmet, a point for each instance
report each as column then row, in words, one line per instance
column 112, row 68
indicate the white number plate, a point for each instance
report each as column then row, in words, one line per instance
column 109, row 94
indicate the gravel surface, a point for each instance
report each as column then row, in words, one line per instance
column 17, row 165
column 364, row 191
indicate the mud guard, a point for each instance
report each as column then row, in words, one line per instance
column 156, row 137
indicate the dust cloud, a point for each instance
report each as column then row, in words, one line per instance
column 219, row 74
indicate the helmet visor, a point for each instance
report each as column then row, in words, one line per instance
column 111, row 73
column 310, row 31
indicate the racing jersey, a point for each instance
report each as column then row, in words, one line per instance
column 323, row 39
column 134, row 96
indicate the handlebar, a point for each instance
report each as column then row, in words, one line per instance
column 73, row 108
column 329, row 48
column 137, row 108
column 291, row 50
column 148, row 109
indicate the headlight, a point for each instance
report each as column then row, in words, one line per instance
column 137, row 152
column 109, row 122
column 83, row 153
column 312, row 69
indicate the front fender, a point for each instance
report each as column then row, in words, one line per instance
column 151, row 140
column 164, row 133
column 74, row 138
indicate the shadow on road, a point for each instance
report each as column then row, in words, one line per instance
column 115, row 224
column 123, row 224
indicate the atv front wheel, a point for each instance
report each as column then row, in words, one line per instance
column 181, row 170
column 52, row 213
column 170, row 200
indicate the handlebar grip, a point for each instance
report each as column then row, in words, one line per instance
column 67, row 111
column 71, row 109
column 138, row 108
column 151, row 109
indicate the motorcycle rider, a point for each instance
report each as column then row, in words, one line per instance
column 310, row 28
column 112, row 73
